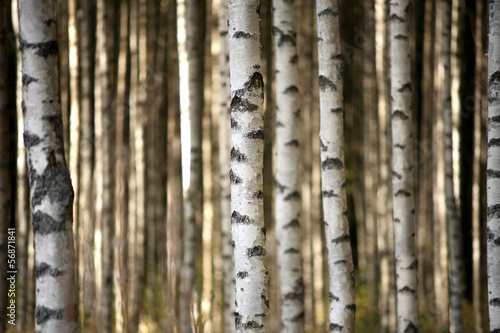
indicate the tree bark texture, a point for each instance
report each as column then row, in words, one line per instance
column 402, row 167
column 454, row 227
column 51, row 191
column 225, row 164
column 331, row 136
column 493, row 168
column 288, row 197
column 246, row 174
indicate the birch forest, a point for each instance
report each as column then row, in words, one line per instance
column 245, row 166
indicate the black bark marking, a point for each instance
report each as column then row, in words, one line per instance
column 252, row 324
column 242, row 275
column 325, row 83
column 291, row 90
column 239, row 104
column 494, row 78
column 402, row 193
column 256, row 251
column 293, row 196
column 495, row 302
column 401, row 37
column 281, row 188
column 238, row 156
column 54, row 183
column 233, row 244
column 293, row 143
column 351, row 307
column 264, row 231
column 323, row 146
column 56, row 122
column 397, row 220
column 405, row 87
column 341, row 261
column 45, row 269
column 332, row 297
column 336, row 57
column 238, row 218
column 234, row 124
column 292, row 250
column 31, row 140
column 237, row 319
column 341, row 239
column 233, row 178
column 396, row 18
column 495, row 142
column 336, row 328
column 413, row 265
column 49, row 22
column 257, row 135
column 329, row 194
column 260, row 315
column 294, row 59
column 406, row 289
column 336, row 111
column 495, row 119
column 398, row 114
column 242, row 34
column 256, row 66
column 43, row 49
column 493, row 211
column 26, row 80
column 258, row 195
column 23, row 108
column 298, row 317
column 292, row 224
column 284, row 37
column 396, row 175
column 279, row 124
column 411, row 328
column 402, row 147
column 44, row 314
column 328, row 11
column 332, row 163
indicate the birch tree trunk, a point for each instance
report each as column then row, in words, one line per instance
column 454, row 227
column 402, row 164
column 246, row 176
column 493, row 168
column 225, row 164
column 51, row 191
column 288, row 195
column 331, row 136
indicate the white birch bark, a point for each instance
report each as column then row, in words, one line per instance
column 288, row 194
column 246, row 176
column 341, row 271
column 454, row 227
column 51, row 191
column 224, row 163
column 402, row 167
column 493, row 168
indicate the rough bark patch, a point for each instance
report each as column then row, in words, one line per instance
column 238, row 156
column 328, row 11
column 43, row 314
column 325, row 83
column 256, row 251
column 44, row 224
column 45, row 269
column 258, row 134
column 238, row 218
column 43, row 49
column 336, row 327
column 332, row 163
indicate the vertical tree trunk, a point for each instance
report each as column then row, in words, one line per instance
column 50, row 182
column 5, row 168
column 289, row 194
column 493, row 168
column 402, row 164
column 453, row 222
column 246, row 176
column 64, row 87
column 224, row 165
column 331, row 136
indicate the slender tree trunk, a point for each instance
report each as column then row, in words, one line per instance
column 64, row 87
column 246, row 176
column 331, row 136
column 493, row 168
column 50, row 182
column 402, row 164
column 289, row 194
column 5, row 171
column 453, row 222
column 224, row 164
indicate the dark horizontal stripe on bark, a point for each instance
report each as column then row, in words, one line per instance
column 284, row 37
column 398, row 114
column 336, row 111
column 396, row 175
column 405, row 87
column 336, row 57
column 233, row 178
column 341, row 239
column 329, row 194
column 257, row 134
column 495, row 119
column 493, row 211
column 495, row 302
column 351, row 307
column 31, row 140
column 328, row 11
column 397, row 145
column 252, row 324
column 413, row 265
column 279, row 124
column 336, row 327
column 242, row 275
column 297, row 318
column 43, row 49
column 496, row 330
column 238, row 218
column 402, row 193
column 293, row 143
column 396, row 220
column 238, row 156
column 332, row 163
column 45, row 269
column 256, row 251
column 406, row 289
column 292, row 224
column 495, row 142
column 494, row 78
column 44, row 224
column 242, row 34
column 261, row 315
column 332, row 297
column 395, row 17
column 325, row 83
column 341, row 261
column 43, row 314
column 26, row 80
column 292, row 250
column 401, row 37
column 291, row 90
column 292, row 196
column 239, row 104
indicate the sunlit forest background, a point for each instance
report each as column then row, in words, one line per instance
column 125, row 98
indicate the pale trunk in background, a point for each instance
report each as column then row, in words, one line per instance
column 402, row 168
column 51, row 191
column 246, row 176
column 493, row 168
column 331, row 136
